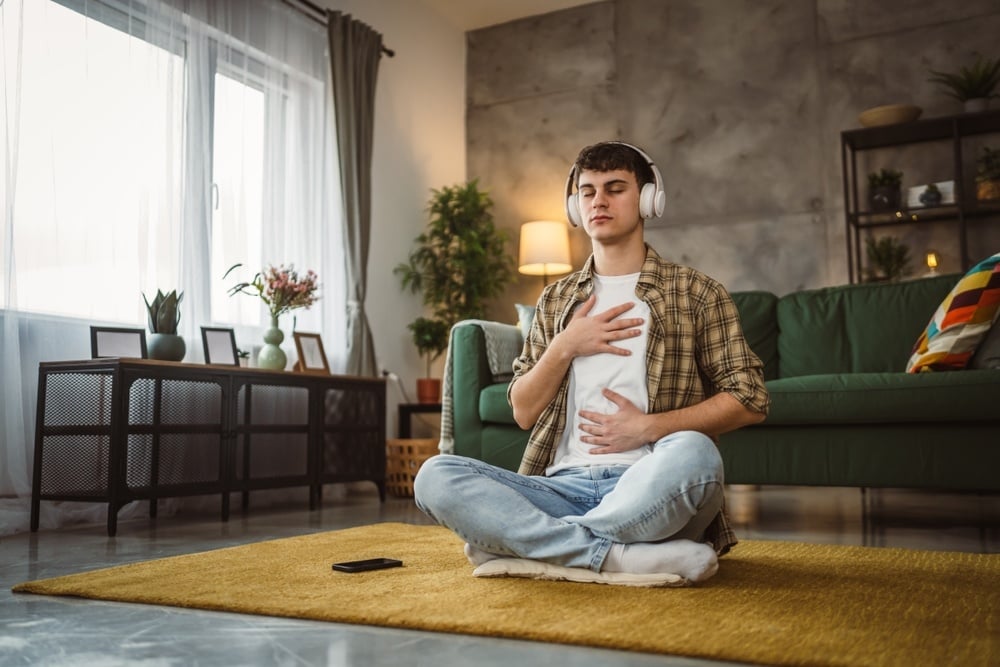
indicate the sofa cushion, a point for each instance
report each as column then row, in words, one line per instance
column 493, row 405
column 760, row 327
column 961, row 322
column 889, row 398
column 988, row 353
column 854, row 328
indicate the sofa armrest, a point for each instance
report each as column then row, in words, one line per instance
column 470, row 374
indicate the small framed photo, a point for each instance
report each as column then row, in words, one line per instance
column 312, row 358
column 220, row 346
column 117, row 342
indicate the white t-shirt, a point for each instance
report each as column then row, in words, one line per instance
column 589, row 375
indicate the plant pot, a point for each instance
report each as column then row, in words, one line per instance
column 884, row 198
column 165, row 347
column 988, row 189
column 428, row 390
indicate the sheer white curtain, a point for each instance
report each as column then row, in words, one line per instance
column 152, row 144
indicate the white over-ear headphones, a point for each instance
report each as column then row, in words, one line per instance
column 652, row 198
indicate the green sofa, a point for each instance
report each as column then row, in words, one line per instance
column 843, row 412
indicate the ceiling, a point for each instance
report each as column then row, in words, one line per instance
column 473, row 14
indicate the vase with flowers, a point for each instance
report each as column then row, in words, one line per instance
column 282, row 290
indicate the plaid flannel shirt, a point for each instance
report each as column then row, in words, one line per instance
column 695, row 350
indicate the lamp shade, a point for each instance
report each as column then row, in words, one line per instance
column 544, row 248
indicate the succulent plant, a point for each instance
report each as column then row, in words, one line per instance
column 164, row 313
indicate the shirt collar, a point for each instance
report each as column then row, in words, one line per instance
column 648, row 274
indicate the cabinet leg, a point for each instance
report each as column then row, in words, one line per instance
column 112, row 519
column 35, row 510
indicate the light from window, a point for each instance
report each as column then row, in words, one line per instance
column 237, row 211
column 99, row 174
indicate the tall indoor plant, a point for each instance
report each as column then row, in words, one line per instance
column 459, row 263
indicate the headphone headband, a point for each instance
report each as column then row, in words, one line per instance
column 652, row 198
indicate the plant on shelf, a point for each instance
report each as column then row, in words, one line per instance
column 988, row 174
column 931, row 196
column 888, row 258
column 459, row 263
column 164, row 316
column 884, row 187
column 973, row 86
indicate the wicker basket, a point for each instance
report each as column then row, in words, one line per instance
column 403, row 459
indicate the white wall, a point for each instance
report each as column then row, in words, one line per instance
column 419, row 145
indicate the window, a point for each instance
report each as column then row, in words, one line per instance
column 237, row 167
column 157, row 148
column 95, row 178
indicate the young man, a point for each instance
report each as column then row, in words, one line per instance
column 632, row 366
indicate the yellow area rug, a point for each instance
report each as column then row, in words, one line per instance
column 771, row 602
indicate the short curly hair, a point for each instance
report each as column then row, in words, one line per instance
column 612, row 155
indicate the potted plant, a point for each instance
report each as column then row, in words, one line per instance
column 973, row 86
column 431, row 338
column 459, row 263
column 931, row 196
column 988, row 174
column 888, row 259
column 164, row 315
column 884, row 189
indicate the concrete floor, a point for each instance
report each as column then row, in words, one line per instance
column 41, row 630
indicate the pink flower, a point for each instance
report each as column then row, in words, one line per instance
column 281, row 288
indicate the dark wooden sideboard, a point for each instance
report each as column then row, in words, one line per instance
column 119, row 430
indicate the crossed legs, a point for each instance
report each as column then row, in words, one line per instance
column 646, row 518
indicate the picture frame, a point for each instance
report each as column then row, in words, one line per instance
column 121, row 342
column 312, row 357
column 219, row 344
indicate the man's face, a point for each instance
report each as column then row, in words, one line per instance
column 609, row 204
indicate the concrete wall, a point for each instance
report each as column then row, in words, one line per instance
column 740, row 103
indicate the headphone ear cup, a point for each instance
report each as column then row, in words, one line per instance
column 659, row 203
column 647, row 201
column 573, row 210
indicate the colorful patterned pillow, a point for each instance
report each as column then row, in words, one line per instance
column 961, row 322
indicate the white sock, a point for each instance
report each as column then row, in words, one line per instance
column 691, row 560
column 477, row 556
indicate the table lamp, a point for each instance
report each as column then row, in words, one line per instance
column 544, row 249
column 932, row 262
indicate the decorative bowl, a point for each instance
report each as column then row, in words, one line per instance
column 889, row 114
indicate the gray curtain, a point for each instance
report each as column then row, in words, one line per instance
column 355, row 50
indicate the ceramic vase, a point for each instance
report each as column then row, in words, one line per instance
column 165, row 347
column 271, row 355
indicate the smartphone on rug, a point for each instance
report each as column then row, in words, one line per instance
column 366, row 565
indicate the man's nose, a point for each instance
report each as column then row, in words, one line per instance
column 599, row 200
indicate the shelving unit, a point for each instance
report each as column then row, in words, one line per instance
column 965, row 207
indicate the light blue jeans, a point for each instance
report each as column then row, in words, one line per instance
column 573, row 517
